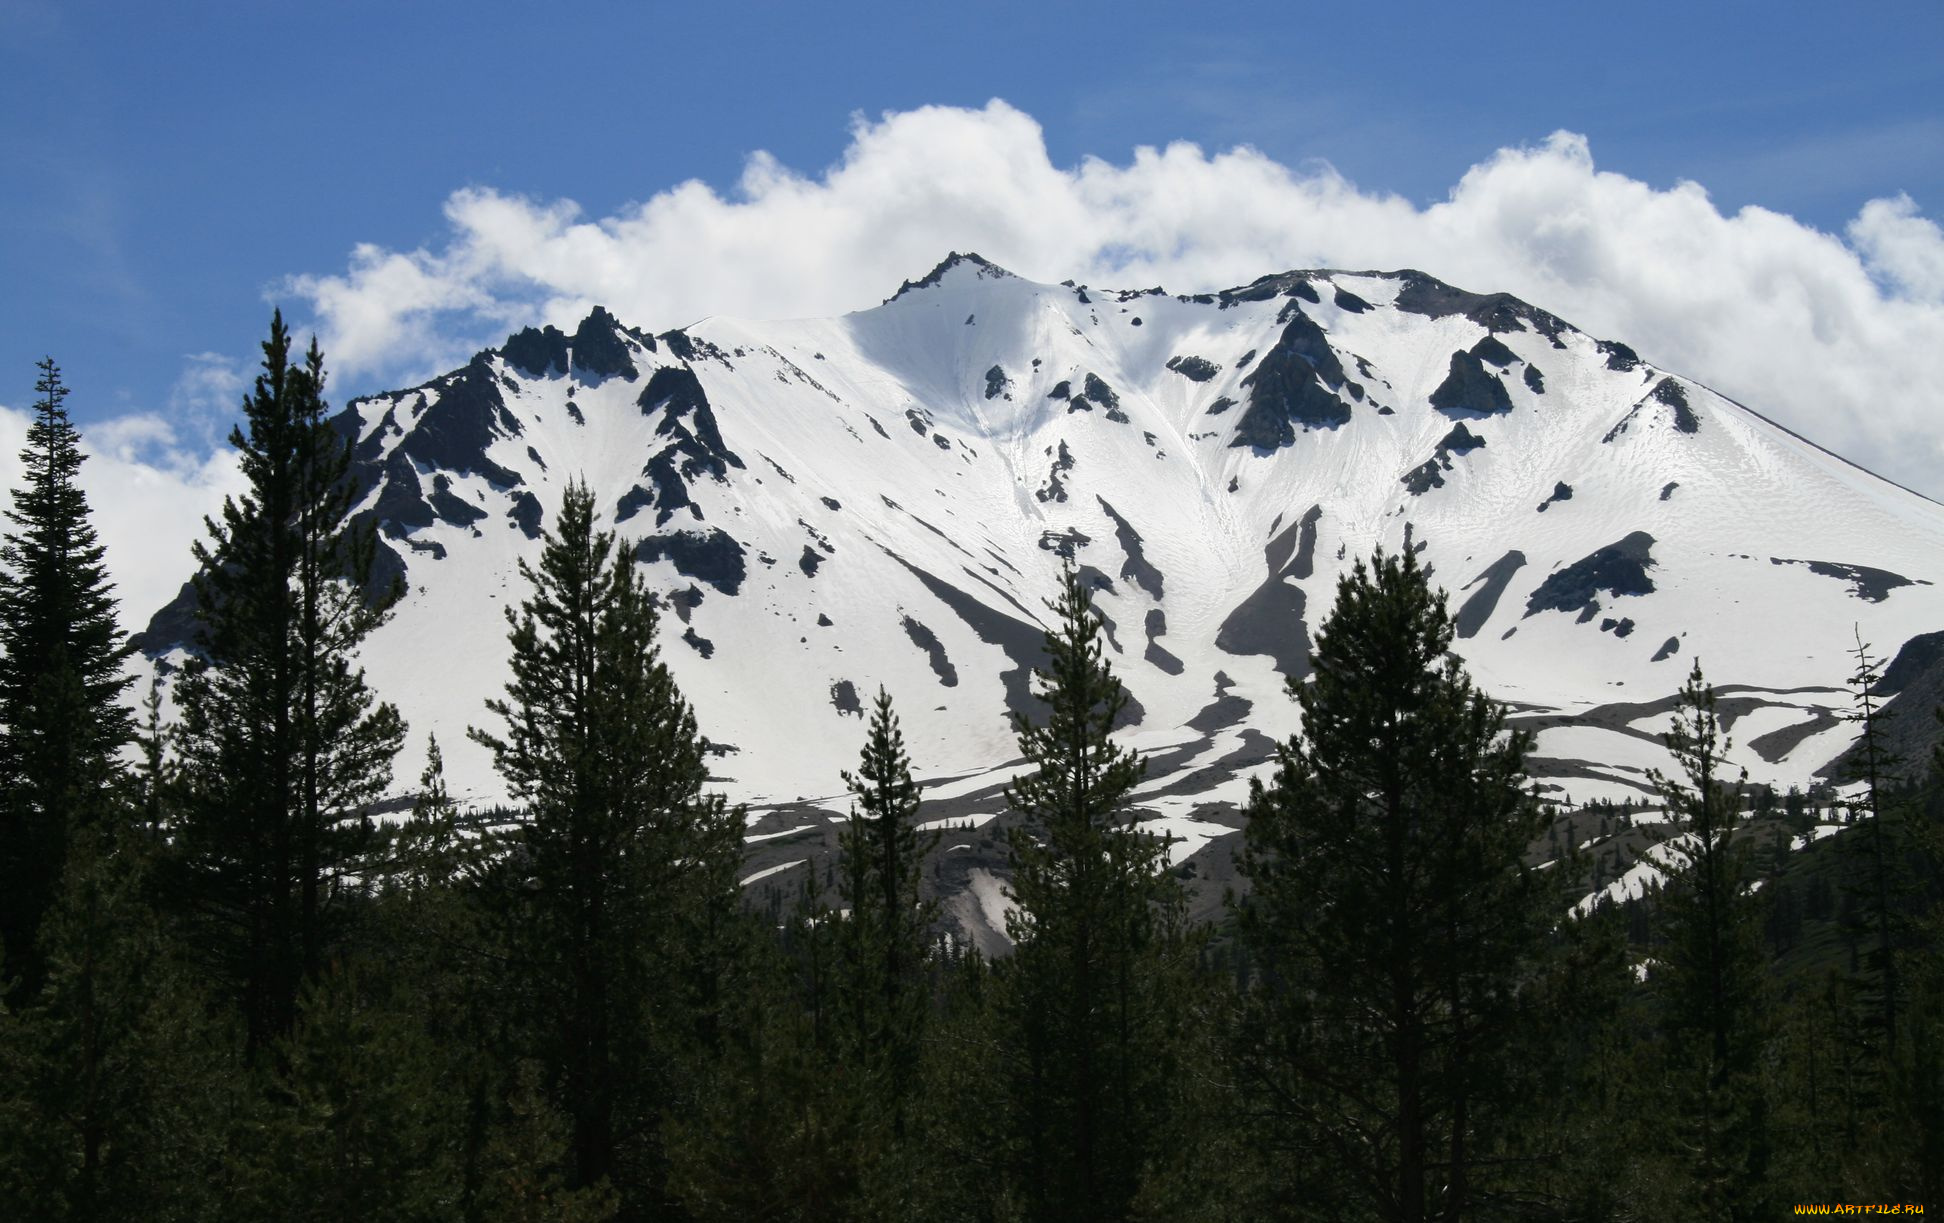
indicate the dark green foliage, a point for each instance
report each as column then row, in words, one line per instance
column 522, row 1182
column 1879, row 882
column 61, row 680
column 627, row 903
column 116, row 1090
column 817, row 1115
column 1867, row 1044
column 1709, row 977
column 119, row 1094
column 1087, row 1002
column 884, row 939
column 1583, row 1119
column 281, row 747
column 1390, row 914
column 361, row 1121
column 1857, row 1036
column 1913, row 1162
column 1207, row 1165
column 151, row 778
column 429, row 1009
column 784, row 1125
column 402, row 1092
column 246, row 1001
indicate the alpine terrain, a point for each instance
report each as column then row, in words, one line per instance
column 825, row 506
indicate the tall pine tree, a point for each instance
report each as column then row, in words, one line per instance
column 889, row 928
column 1877, row 852
column 885, row 995
column 281, row 745
column 61, row 679
column 1711, row 977
column 1091, row 989
column 630, row 894
column 1390, row 914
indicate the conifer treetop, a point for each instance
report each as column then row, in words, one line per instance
column 57, row 604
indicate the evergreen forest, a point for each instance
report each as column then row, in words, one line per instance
column 232, row 987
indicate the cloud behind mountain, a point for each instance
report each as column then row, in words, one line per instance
column 1841, row 337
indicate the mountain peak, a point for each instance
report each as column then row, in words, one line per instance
column 600, row 348
column 598, row 319
column 829, row 505
column 985, row 269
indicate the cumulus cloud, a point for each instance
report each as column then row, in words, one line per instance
column 1839, row 337
column 148, row 489
column 1901, row 247
column 201, row 404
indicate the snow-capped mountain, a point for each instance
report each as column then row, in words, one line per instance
column 885, row 498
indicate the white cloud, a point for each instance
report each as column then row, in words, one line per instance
column 1841, row 340
column 1901, row 247
column 1838, row 337
column 148, row 493
column 385, row 311
column 210, row 385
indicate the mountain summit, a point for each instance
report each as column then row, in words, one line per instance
column 885, row 498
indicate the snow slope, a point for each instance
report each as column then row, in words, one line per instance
column 885, row 498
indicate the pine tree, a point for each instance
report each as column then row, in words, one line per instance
column 1095, row 973
column 432, row 851
column 441, row 948
column 113, row 1078
column 281, row 746
column 1877, row 850
column 1390, row 913
column 630, row 870
column 150, row 780
column 882, row 974
column 61, row 679
column 1711, row 975
column 882, row 860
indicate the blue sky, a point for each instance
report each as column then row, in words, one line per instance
column 414, row 179
column 171, row 165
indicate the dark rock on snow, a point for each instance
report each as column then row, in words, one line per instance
column 1620, row 568
column 600, row 350
column 1468, row 388
column 1492, row 352
column 995, row 382
column 526, row 514
column 1135, row 565
column 1195, row 369
column 1669, row 392
column 1346, row 300
column 1294, row 385
column 537, row 352
column 709, row 556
